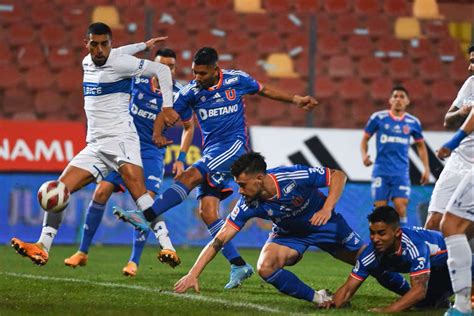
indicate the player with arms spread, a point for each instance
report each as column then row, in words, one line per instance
column 112, row 139
column 216, row 96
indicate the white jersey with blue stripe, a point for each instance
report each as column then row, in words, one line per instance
column 466, row 148
column 107, row 92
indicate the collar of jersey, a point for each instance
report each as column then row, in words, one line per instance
column 396, row 118
column 278, row 195
column 219, row 83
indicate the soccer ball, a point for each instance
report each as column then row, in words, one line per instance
column 53, row 196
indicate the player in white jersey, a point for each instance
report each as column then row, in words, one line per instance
column 459, row 211
column 112, row 140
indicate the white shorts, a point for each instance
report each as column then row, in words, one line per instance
column 462, row 201
column 450, row 177
column 99, row 158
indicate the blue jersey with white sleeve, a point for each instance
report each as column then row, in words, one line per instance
column 420, row 250
column 219, row 109
column 393, row 141
column 297, row 199
column 145, row 105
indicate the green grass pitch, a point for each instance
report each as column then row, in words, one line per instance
column 100, row 288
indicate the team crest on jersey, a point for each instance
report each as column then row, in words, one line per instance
column 230, row 94
column 297, row 201
column 406, row 129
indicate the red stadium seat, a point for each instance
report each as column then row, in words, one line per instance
column 293, row 85
column 419, row 48
column 449, row 49
column 396, row 7
column 346, row 25
column 337, row 114
column 400, row 69
column 42, row 14
column 287, row 27
column 307, row 6
column 133, row 14
column 301, row 65
column 39, row 77
column 296, row 117
column 52, row 36
column 390, row 47
column 11, row 76
column 297, row 40
column 417, row 90
column 61, row 57
column 75, row 15
column 179, row 38
column 367, row 7
column 206, row 38
column 458, row 70
column 219, row 5
column 17, row 14
column 191, row 4
column 21, row 34
column 371, row 68
column 360, row 46
column 247, row 61
column 6, row 55
column 70, row 80
column 352, row 89
column 30, row 55
column 271, row 110
column 268, row 43
column 430, row 69
column 128, row 4
column 337, row 6
column 341, row 66
column 378, row 26
column 436, row 29
column 48, row 102
column 17, row 100
column 325, row 24
column 196, row 21
column 329, row 45
column 228, row 21
column 380, row 89
column 278, row 6
column 257, row 23
column 239, row 42
column 444, row 91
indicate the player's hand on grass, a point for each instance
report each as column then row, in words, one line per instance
column 321, row 217
column 185, row 283
column 161, row 141
column 425, row 177
column 153, row 41
column 366, row 160
column 178, row 168
column 306, row 103
column 170, row 116
column 443, row 152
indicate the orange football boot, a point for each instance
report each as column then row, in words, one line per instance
column 34, row 251
column 130, row 269
column 77, row 259
column 169, row 257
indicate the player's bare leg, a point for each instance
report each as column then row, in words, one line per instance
column 400, row 205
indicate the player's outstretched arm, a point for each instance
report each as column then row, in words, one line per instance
column 305, row 102
column 364, row 148
column 186, row 140
column 456, row 116
column 423, row 152
column 190, row 280
column 132, row 49
column 466, row 129
column 345, row 292
column 417, row 292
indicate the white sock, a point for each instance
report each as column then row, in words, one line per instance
column 459, row 264
column 47, row 236
column 161, row 233
column 144, row 202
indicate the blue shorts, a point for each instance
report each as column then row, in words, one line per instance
column 335, row 235
column 215, row 165
column 153, row 170
column 385, row 188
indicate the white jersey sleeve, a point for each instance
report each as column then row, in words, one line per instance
column 466, row 91
column 132, row 49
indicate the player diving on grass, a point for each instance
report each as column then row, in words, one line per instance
column 112, row 140
column 216, row 96
column 145, row 104
column 302, row 216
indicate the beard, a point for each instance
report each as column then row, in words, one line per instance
column 99, row 61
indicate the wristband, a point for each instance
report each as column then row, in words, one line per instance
column 182, row 157
column 455, row 140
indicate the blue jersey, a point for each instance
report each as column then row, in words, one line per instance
column 145, row 104
column 297, row 199
column 393, row 141
column 420, row 250
column 219, row 109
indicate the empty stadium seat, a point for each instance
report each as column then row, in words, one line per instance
column 220, row 5
column 340, row 66
column 419, row 48
column 444, row 91
column 238, row 42
column 43, row 14
column 278, row 6
column 371, row 68
column 380, row 89
column 337, row 6
column 458, row 70
column 435, row 29
column 271, row 110
column 52, row 35
column 128, row 4
column 74, row 105
column 17, row 100
column 280, row 65
column 195, row 22
column 378, row 26
column 248, row 6
column 21, row 34
column 39, row 77
column 426, row 9
column 48, row 102
column 6, row 55
column 293, row 85
column 75, row 15
column 430, row 69
column 11, row 76
column 206, row 38
column 329, row 45
column 400, row 68
column 351, row 89
column 360, row 46
column 396, row 7
column 346, row 25
column 390, row 47
column 407, row 28
column 61, row 57
column 307, row 6
column 228, row 21
column 30, row 55
column 367, row 7
column 107, row 14
column 15, row 13
column 257, row 23
column 70, row 79
column 267, row 43
column 449, row 49
column 417, row 90
column 325, row 24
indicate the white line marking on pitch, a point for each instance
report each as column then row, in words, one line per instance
column 195, row 297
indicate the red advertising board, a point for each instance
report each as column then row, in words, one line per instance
column 39, row 146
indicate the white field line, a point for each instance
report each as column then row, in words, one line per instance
column 195, row 297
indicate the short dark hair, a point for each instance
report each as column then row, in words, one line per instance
column 165, row 52
column 99, row 28
column 206, row 56
column 251, row 162
column 470, row 49
column 399, row 87
column 386, row 214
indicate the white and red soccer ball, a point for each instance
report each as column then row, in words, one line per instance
column 53, row 196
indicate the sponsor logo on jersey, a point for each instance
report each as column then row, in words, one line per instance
column 231, row 80
column 289, row 187
column 142, row 113
column 393, row 139
column 204, row 114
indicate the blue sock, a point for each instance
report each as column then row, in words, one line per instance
column 93, row 218
column 139, row 241
column 289, row 284
column 229, row 251
column 173, row 196
column 393, row 281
